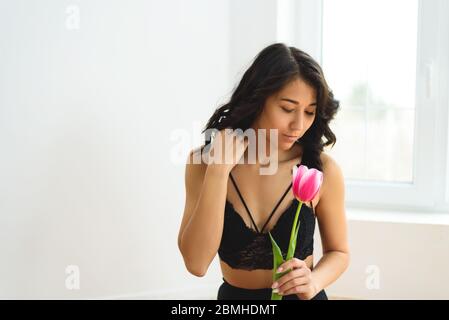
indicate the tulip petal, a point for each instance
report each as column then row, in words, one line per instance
column 318, row 181
column 310, row 184
column 297, row 179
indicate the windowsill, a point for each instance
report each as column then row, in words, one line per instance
column 357, row 214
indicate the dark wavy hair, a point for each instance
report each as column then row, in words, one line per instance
column 273, row 68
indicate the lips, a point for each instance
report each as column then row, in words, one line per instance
column 292, row 137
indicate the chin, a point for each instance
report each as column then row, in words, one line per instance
column 286, row 145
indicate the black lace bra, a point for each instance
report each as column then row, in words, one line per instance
column 244, row 248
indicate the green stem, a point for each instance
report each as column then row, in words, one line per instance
column 277, row 253
column 294, row 232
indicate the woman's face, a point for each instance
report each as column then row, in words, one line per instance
column 291, row 111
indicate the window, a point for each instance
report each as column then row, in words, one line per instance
column 387, row 63
column 370, row 59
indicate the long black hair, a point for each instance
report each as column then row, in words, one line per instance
column 273, row 68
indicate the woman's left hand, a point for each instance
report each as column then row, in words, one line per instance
column 298, row 281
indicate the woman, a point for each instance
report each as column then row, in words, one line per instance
column 230, row 206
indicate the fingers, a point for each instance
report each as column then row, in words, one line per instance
column 295, row 277
column 300, row 274
column 294, row 274
column 224, row 146
column 297, row 283
column 293, row 263
column 239, row 147
column 229, row 147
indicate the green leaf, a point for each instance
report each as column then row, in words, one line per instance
column 278, row 259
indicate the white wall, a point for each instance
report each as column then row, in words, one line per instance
column 253, row 26
column 85, row 122
column 394, row 255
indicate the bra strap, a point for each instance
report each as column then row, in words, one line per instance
column 243, row 201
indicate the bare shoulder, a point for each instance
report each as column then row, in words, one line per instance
column 332, row 174
column 330, row 211
column 326, row 159
column 330, row 165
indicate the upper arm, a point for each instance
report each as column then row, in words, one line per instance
column 194, row 174
column 330, row 210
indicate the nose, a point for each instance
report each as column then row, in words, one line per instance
column 298, row 123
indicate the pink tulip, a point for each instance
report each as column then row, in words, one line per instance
column 306, row 182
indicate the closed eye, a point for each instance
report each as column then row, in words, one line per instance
column 291, row 110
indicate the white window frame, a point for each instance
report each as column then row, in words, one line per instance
column 299, row 23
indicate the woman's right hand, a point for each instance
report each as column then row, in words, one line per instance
column 232, row 146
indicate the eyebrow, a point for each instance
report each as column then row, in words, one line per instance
column 296, row 102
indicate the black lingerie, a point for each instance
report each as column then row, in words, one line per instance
column 244, row 248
